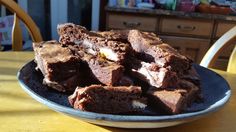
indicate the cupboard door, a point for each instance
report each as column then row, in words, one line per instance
column 121, row 21
column 186, row 27
column 192, row 47
column 223, row 27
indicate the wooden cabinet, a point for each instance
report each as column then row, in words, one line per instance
column 193, row 27
column 121, row 21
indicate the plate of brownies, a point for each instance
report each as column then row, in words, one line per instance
column 120, row 78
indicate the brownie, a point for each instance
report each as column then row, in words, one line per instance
column 107, row 72
column 104, row 71
column 151, row 49
column 98, row 44
column 166, row 56
column 173, row 101
column 192, row 76
column 59, row 66
column 108, row 99
column 193, row 91
column 140, row 41
column 154, row 75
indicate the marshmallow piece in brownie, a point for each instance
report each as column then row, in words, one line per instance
column 96, row 43
column 59, row 66
column 108, row 99
column 140, row 41
column 153, row 74
column 173, row 101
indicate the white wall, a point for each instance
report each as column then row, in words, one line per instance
column 23, row 4
column 58, row 15
column 95, row 15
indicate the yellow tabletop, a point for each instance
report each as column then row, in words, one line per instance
column 19, row 112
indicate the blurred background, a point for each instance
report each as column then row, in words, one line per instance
column 190, row 26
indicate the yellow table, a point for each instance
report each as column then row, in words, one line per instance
column 19, row 112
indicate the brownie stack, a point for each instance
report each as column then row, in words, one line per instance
column 117, row 71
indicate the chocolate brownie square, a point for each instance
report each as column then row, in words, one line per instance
column 108, row 99
column 58, row 64
column 151, row 49
column 96, row 43
column 173, row 101
column 166, row 56
column 104, row 71
column 107, row 72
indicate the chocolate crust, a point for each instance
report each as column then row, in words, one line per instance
column 108, row 99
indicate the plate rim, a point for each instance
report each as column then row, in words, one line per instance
column 124, row 118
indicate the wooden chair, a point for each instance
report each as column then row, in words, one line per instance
column 20, row 14
column 215, row 50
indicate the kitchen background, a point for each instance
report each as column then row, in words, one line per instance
column 190, row 26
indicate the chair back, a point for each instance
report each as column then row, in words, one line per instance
column 232, row 62
column 223, row 42
column 20, row 14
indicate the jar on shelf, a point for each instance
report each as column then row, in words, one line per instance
column 186, row 6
